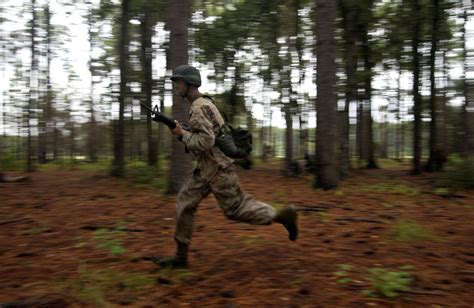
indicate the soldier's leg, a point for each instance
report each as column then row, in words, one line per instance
column 186, row 204
column 189, row 196
column 236, row 203
column 239, row 205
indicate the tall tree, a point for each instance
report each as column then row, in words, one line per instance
column 146, row 28
column 292, row 62
column 92, row 137
column 367, row 97
column 468, row 108
column 436, row 158
column 326, row 131
column 179, row 18
column 119, row 128
column 350, row 12
column 33, row 86
column 417, row 108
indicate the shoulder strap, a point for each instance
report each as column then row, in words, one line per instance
column 223, row 114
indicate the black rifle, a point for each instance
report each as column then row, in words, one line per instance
column 159, row 117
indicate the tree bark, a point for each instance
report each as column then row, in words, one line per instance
column 416, row 92
column 326, row 133
column 436, row 160
column 33, row 89
column 368, row 65
column 180, row 15
column 92, row 138
column 468, row 109
column 147, row 56
column 398, row 139
column 119, row 128
column 350, row 24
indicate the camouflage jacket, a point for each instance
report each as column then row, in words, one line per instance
column 204, row 122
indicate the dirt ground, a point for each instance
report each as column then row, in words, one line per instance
column 81, row 238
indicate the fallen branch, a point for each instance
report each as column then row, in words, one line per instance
column 10, row 221
column 97, row 227
column 354, row 219
column 420, row 292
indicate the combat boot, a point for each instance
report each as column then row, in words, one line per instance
column 176, row 261
column 288, row 217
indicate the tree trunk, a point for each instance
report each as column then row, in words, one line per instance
column 416, row 92
column 326, row 136
column 44, row 124
column 147, row 88
column 368, row 65
column 443, row 140
column 179, row 18
column 119, row 128
column 398, row 132
column 303, row 138
column 350, row 24
column 92, row 138
column 361, row 149
column 288, row 142
column 435, row 161
column 72, row 140
column 32, row 97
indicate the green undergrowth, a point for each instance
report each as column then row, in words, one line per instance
column 140, row 174
column 96, row 286
column 389, row 283
column 409, row 231
column 11, row 163
column 378, row 281
column 460, row 172
column 110, row 240
column 37, row 230
column 391, row 188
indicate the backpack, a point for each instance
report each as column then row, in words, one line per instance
column 233, row 142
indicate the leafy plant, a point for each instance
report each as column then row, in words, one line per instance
column 37, row 230
column 11, row 163
column 93, row 285
column 255, row 240
column 108, row 240
column 410, row 231
column 461, row 172
column 343, row 273
column 389, row 283
column 392, row 188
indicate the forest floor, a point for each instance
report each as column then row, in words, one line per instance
column 80, row 238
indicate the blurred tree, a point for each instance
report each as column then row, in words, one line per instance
column 147, row 22
column 350, row 12
column 119, row 163
column 366, row 99
column 33, row 88
column 468, row 108
column 92, row 137
column 417, row 108
column 327, row 174
column 178, row 22
column 439, row 26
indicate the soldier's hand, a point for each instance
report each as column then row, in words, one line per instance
column 178, row 130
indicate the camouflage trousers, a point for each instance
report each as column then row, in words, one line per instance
column 234, row 202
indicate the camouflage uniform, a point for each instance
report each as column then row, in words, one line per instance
column 214, row 173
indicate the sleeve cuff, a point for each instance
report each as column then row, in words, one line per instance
column 186, row 136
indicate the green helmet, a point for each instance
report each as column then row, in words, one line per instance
column 187, row 73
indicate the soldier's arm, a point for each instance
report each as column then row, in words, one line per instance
column 201, row 136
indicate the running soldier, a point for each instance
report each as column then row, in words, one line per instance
column 214, row 173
